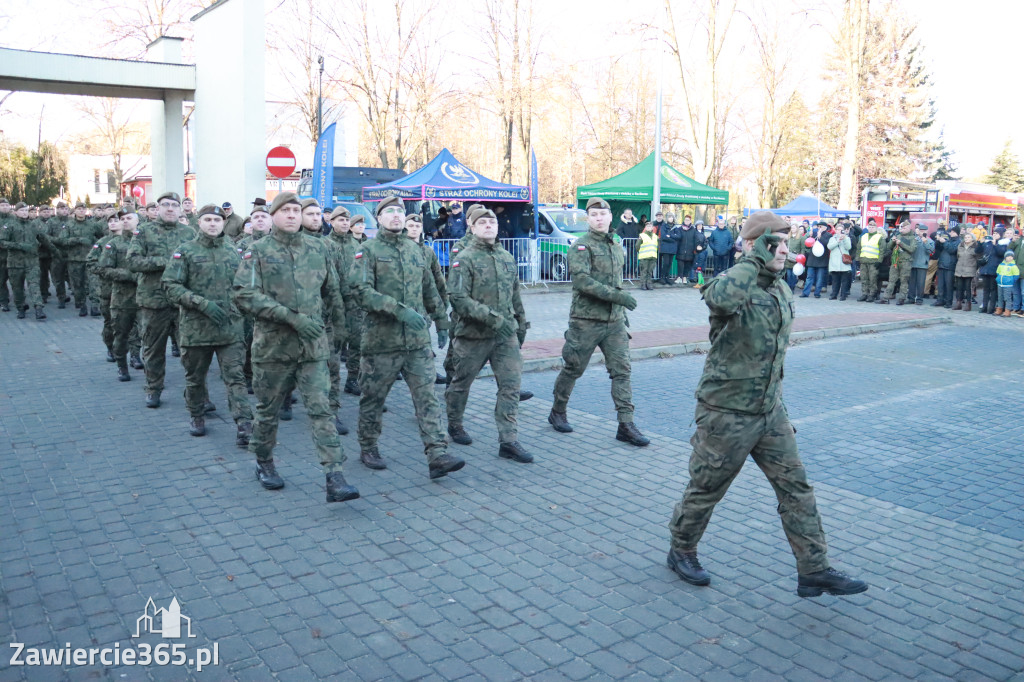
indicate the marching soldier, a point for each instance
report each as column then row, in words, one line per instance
column 103, row 284
column 77, row 238
column 45, row 255
column 260, row 224
column 414, row 231
column 23, row 240
column 350, row 235
column 491, row 327
column 113, row 264
column 597, row 319
column 59, row 257
column 6, row 214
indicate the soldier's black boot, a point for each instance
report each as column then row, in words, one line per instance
column 135, row 362
column 5, row 308
column 339, row 426
column 122, row 370
column 459, row 435
column 110, row 356
column 515, row 452
column 338, row 489
column 21, row 313
column 440, row 379
column 175, row 351
column 40, row 315
column 444, row 465
column 83, row 311
column 266, row 474
column 95, row 312
column 371, row 459
column 830, row 580
column 560, row 422
column 243, row 433
column 153, row 399
column 197, row 426
column 628, row 433
column 524, row 395
column 61, row 305
column 209, row 407
column 285, row 414
column 352, row 387
column 687, row 567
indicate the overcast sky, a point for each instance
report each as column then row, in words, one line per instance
column 969, row 47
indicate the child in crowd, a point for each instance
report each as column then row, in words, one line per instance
column 1007, row 275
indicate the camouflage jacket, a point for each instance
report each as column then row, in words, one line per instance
column 484, row 291
column 751, row 313
column 595, row 264
column 54, row 226
column 113, row 266
column 334, row 255
column 92, row 262
column 390, row 273
column 280, row 276
column 234, row 225
column 148, row 255
column 76, row 237
column 199, row 271
column 348, row 244
column 439, row 281
column 22, row 240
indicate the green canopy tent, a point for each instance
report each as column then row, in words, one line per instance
column 634, row 189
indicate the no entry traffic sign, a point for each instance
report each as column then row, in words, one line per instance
column 280, row 162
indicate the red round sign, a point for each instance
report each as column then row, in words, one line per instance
column 280, row 162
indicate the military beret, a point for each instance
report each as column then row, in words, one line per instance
column 357, row 220
column 598, row 202
column 390, row 201
column 481, row 213
column 339, row 211
column 282, row 199
column 213, row 209
column 473, row 207
column 258, row 208
column 79, row 204
column 60, row 204
column 168, row 195
column 151, row 204
column 20, row 205
column 414, row 217
column 306, row 203
column 761, row 222
column 3, row 200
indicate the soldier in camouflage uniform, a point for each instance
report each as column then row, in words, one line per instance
column 414, row 231
column 113, row 266
column 188, row 213
column 348, row 234
column 597, row 319
column 103, row 284
column 393, row 284
column 198, row 279
column 285, row 282
column 484, row 289
column 148, row 255
column 902, row 247
column 76, row 238
column 22, row 240
column 97, row 287
column 740, row 412
column 6, row 213
column 46, row 254
column 59, row 257
column 259, row 224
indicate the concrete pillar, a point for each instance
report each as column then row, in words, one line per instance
column 167, row 143
column 229, row 120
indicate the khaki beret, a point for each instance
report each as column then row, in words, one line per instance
column 473, row 207
column 481, row 213
column 598, row 202
column 20, row 205
column 60, row 204
column 413, row 216
column 306, row 203
column 211, row 209
column 151, row 204
column 282, row 199
column 79, row 204
column 3, row 200
column 390, row 201
column 168, row 195
column 339, row 211
column 357, row 220
column 259, row 208
column 761, row 222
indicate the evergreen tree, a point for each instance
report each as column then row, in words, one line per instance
column 1005, row 172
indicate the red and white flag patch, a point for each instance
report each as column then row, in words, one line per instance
column 108, row 246
column 581, row 248
column 248, row 255
column 177, row 255
column 359, row 255
column 455, row 264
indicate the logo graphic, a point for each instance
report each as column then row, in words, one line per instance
column 170, row 621
column 672, row 175
column 456, row 172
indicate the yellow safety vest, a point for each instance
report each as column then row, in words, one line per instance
column 648, row 246
column 869, row 244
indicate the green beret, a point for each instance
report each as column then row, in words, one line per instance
column 80, row 204
column 211, row 209
column 598, row 202
column 168, row 195
column 761, row 222
column 356, row 220
column 3, row 200
column 339, row 211
column 481, row 213
column 390, row 201
column 20, row 205
column 306, row 203
column 282, row 199
column 415, row 217
column 259, row 208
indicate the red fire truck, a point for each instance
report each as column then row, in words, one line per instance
column 890, row 201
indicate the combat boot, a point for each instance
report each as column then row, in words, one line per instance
column 153, row 399
column 266, row 474
column 21, row 313
column 209, row 407
column 560, row 421
column 628, row 433
column 339, row 426
column 243, row 433
column 862, row 298
column 285, row 414
column 61, row 305
column 175, row 351
column 338, row 489
column 440, row 379
column 352, row 387
column 197, row 426
column 514, row 451
column 459, row 435
column 83, row 311
column 40, row 315
column 900, row 301
column 135, row 362
column 5, row 308
column 122, row 370
column 882, row 301
column 95, row 312
column 110, row 356
column 687, row 567
column 830, row 580
column 524, row 395
column 371, row 459
column 444, row 465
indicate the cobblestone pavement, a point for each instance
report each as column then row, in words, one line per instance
column 503, row 571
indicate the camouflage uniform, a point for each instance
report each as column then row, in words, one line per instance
column 282, row 277
column 484, row 290
column 5, row 296
column 595, row 321
column 335, row 334
column 243, row 245
column 234, row 225
column 148, row 254
column 113, row 264
column 58, row 257
column 101, row 285
column 201, row 272
column 355, row 316
column 23, row 241
column 76, row 237
column 46, row 254
column 870, row 265
column 391, row 273
column 903, row 247
column 457, row 248
column 740, row 412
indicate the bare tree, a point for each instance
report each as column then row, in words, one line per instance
column 131, row 25
column 853, row 42
column 114, row 133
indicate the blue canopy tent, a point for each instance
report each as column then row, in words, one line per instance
column 806, row 206
column 446, row 179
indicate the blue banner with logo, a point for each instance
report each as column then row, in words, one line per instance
column 533, row 193
column 323, row 169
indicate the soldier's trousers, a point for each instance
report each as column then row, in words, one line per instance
column 156, row 329
column 230, row 358
column 869, row 279
column 95, row 299
column 123, row 322
column 59, row 275
column 247, row 331
column 22, row 279
column 582, row 337
column 334, row 372
column 898, row 273
column 355, row 319
column 270, row 383
column 469, row 357
column 44, row 276
column 5, row 297
column 377, row 373
column 108, row 324
column 720, row 447
column 79, row 281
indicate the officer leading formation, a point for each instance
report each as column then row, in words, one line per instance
column 279, row 305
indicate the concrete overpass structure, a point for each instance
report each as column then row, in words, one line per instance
column 226, row 85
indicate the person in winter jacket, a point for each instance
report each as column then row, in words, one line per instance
column 687, row 251
column 721, row 244
column 966, row 268
column 839, row 244
column 796, row 247
column 946, row 244
column 1007, row 275
column 817, row 266
column 994, row 249
column 919, row 264
column 647, row 255
column 668, row 245
column 1017, row 246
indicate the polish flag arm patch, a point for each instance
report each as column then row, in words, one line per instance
column 455, row 264
column 177, row 255
column 581, row 248
column 359, row 255
column 248, row 255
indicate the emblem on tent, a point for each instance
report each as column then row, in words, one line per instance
column 456, row 172
column 672, row 175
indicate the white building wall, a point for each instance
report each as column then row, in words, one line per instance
column 84, row 171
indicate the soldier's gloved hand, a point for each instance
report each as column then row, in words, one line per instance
column 764, row 247
column 216, row 313
column 412, row 318
column 308, row 328
column 521, row 333
column 442, row 338
column 506, row 329
column 624, row 298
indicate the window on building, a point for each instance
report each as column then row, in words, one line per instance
column 96, row 180
column 111, row 182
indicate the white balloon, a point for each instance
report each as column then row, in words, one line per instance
column 798, row 269
column 818, row 250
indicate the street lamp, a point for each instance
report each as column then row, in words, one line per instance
column 320, row 100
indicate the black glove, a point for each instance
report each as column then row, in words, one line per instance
column 442, row 338
column 521, row 333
